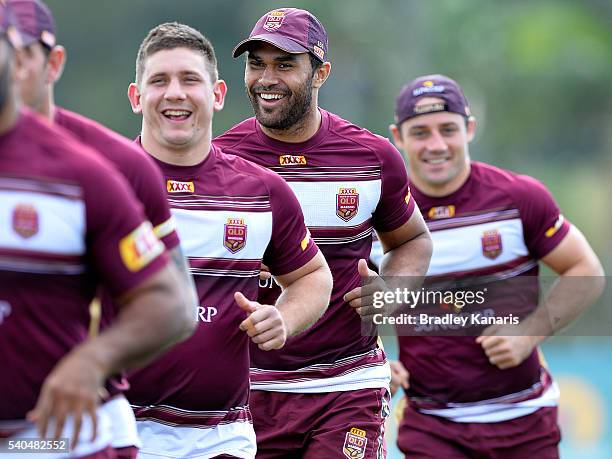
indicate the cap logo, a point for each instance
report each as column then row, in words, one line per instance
column 430, row 108
column 427, row 89
column 318, row 51
column 428, row 83
column 274, row 20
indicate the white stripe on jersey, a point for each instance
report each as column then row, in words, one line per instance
column 369, row 376
column 498, row 412
column 60, row 229
column 447, row 258
column 202, row 233
column 159, row 440
column 319, row 201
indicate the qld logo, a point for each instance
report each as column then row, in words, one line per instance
column 25, row 220
column 347, row 203
column 274, row 20
column 235, row 234
column 491, row 244
column 355, row 444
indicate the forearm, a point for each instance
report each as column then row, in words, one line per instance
column 305, row 300
column 570, row 295
column 408, row 261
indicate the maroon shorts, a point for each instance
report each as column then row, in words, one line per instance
column 107, row 453
column 325, row 425
column 129, row 452
column 423, row 436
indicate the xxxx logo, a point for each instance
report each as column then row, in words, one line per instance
column 174, row 186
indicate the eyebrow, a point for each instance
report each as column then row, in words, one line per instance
column 424, row 126
column 282, row 58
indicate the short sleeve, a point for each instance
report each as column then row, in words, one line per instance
column 396, row 204
column 291, row 246
column 121, row 243
column 544, row 227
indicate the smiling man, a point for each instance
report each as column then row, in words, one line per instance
column 231, row 216
column 326, row 393
column 486, row 396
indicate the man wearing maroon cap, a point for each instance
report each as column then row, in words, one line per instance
column 486, row 394
column 326, row 393
column 43, row 65
column 59, row 240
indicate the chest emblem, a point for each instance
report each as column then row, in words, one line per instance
column 347, row 203
column 441, row 212
column 25, row 220
column 235, row 234
column 174, row 186
column 491, row 244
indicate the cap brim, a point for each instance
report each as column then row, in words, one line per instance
column 286, row 44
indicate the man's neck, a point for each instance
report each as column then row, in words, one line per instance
column 302, row 131
column 179, row 156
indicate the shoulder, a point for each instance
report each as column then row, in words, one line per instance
column 236, row 134
column 361, row 138
column 520, row 187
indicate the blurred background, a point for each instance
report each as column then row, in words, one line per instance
column 537, row 74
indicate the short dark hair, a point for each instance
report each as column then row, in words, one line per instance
column 171, row 35
column 314, row 63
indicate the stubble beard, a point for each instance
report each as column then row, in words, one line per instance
column 289, row 115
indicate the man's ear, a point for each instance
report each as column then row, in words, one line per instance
column 133, row 94
column 219, row 90
column 470, row 128
column 321, row 75
column 396, row 135
column 55, row 64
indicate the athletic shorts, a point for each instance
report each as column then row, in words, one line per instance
column 323, row 425
column 424, row 436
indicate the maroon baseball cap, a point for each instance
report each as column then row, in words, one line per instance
column 8, row 23
column 439, row 86
column 34, row 22
column 291, row 29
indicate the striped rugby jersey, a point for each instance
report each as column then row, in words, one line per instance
column 231, row 216
column 349, row 183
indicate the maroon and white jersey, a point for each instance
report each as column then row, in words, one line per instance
column 231, row 216
column 349, row 182
column 497, row 225
column 140, row 171
column 68, row 222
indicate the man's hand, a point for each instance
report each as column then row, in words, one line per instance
column 399, row 376
column 73, row 388
column 362, row 298
column 264, row 323
column 506, row 351
column 264, row 273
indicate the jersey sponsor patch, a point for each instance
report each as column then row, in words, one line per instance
column 491, row 244
column 441, row 212
column 174, row 186
column 292, row 160
column 140, row 247
column 235, row 234
column 305, row 241
column 550, row 232
column 355, row 444
column 274, row 20
column 25, row 220
column 347, row 203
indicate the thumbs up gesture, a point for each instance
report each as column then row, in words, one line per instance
column 362, row 298
column 264, row 323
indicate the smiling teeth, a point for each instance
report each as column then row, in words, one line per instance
column 176, row 113
column 437, row 161
column 271, row 96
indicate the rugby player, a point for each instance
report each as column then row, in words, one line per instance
column 68, row 223
column 486, row 396
column 44, row 61
column 232, row 215
column 325, row 394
